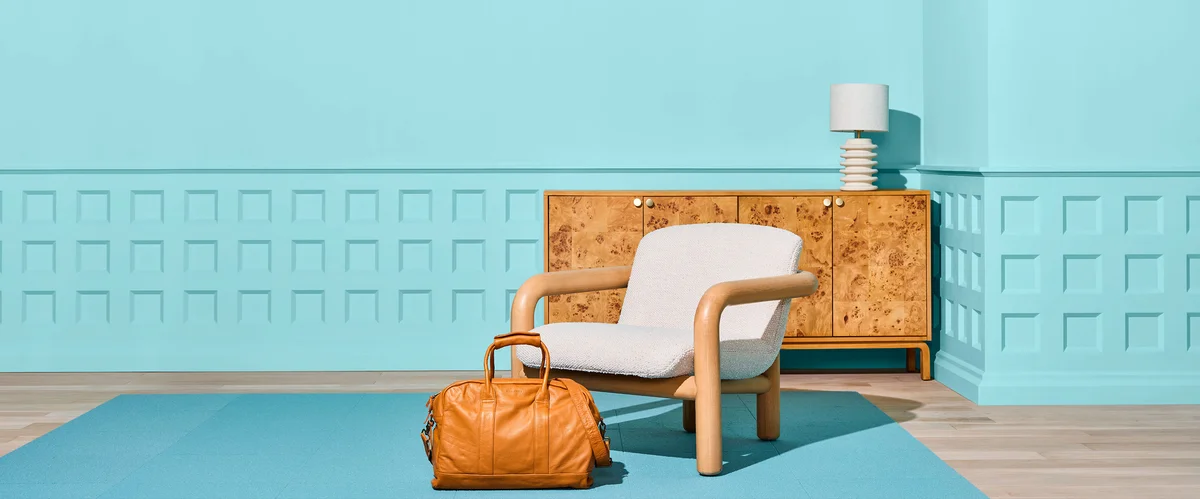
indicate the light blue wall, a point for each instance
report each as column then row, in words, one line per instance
column 1093, row 85
column 956, row 83
column 268, row 185
column 283, row 185
column 275, row 83
column 1089, row 218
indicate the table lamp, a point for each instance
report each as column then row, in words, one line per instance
column 858, row 108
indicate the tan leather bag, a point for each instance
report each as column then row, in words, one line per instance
column 514, row 433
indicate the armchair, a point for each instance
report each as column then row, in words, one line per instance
column 704, row 314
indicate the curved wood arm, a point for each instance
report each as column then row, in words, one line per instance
column 561, row 283
column 758, row 290
column 718, row 297
column 722, row 295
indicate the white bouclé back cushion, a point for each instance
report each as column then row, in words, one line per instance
column 673, row 268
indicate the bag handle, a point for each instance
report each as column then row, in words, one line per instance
column 600, row 449
column 517, row 338
column 512, row 339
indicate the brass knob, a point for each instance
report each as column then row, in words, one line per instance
column 649, row 203
column 637, row 202
column 840, row 202
column 828, row 202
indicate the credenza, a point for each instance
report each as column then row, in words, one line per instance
column 870, row 251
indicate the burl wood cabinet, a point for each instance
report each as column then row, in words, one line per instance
column 869, row 251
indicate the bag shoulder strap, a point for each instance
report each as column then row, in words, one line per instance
column 426, row 438
column 599, row 444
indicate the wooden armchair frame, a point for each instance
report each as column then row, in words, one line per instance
column 701, row 392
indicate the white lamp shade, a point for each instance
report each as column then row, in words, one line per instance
column 855, row 107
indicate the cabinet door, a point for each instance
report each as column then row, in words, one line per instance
column 586, row 232
column 808, row 217
column 665, row 211
column 881, row 265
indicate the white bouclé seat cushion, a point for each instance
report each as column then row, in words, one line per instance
column 672, row 269
column 660, row 352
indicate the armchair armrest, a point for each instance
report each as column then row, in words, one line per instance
column 762, row 289
column 717, row 298
column 561, row 283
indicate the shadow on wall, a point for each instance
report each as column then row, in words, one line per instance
column 899, row 149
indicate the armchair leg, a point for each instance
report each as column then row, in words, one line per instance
column 689, row 416
column 708, row 432
column 768, row 406
column 708, row 412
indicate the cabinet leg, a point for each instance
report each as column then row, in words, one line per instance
column 925, row 375
column 911, row 355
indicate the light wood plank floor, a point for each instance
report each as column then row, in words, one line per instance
column 1044, row 452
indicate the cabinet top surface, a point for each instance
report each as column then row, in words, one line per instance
column 796, row 192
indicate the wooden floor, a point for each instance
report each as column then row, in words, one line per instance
column 1047, row 452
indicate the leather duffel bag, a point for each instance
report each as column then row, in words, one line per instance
column 514, row 433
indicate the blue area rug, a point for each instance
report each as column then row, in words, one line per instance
column 346, row 446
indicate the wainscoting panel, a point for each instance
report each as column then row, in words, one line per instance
column 959, row 277
column 1093, row 303
column 1089, row 283
column 333, row 270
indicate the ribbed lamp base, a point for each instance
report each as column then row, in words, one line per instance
column 858, row 161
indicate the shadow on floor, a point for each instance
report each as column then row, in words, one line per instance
column 808, row 417
column 610, row 475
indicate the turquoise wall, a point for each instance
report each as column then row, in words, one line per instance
column 270, row 185
column 1079, row 279
column 377, row 83
column 955, row 77
column 1093, row 85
